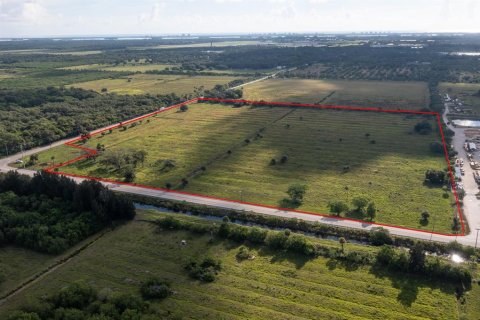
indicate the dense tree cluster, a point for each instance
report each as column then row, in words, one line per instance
column 423, row 127
column 223, row 92
column 361, row 205
column 205, row 269
column 416, row 261
column 81, row 301
column 61, row 113
column 50, row 213
column 32, row 98
column 435, row 177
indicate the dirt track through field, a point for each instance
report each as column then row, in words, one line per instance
column 326, row 97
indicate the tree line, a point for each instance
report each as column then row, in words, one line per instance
column 414, row 262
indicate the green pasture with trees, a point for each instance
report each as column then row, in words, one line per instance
column 364, row 165
column 174, row 266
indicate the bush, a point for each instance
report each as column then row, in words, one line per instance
column 77, row 295
column 129, row 174
column 423, row 127
column 337, row 207
column 435, row 177
column 169, row 222
column 360, row 203
column 204, row 270
column 380, row 236
column 155, row 288
column 425, row 216
column 243, row 253
column 257, row 235
column 276, row 240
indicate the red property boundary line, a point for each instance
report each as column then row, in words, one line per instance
column 90, row 152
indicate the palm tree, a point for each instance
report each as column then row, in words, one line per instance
column 342, row 242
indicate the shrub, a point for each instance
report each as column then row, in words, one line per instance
column 129, row 174
column 380, row 236
column 276, row 240
column 204, row 270
column 257, row 235
column 297, row 192
column 371, row 210
column 243, row 253
column 337, row 207
column 169, row 222
column 299, row 244
column 435, row 177
column 155, row 288
column 360, row 203
column 423, row 127
column 77, row 295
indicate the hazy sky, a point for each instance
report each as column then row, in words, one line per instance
column 28, row 18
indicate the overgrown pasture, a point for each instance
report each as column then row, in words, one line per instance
column 272, row 284
column 256, row 154
column 156, row 84
column 377, row 94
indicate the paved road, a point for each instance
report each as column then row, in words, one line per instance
column 264, row 78
column 472, row 205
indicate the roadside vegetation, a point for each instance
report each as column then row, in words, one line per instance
column 273, row 277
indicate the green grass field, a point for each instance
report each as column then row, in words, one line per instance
column 373, row 94
column 275, row 285
column 124, row 68
column 18, row 264
column 155, row 84
column 60, row 154
column 388, row 166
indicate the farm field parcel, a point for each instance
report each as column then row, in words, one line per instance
column 379, row 94
column 254, row 153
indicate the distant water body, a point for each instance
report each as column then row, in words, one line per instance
column 467, row 123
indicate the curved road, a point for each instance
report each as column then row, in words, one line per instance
column 471, row 207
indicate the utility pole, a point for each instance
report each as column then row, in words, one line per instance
column 476, row 239
column 6, row 148
column 433, row 227
column 23, row 156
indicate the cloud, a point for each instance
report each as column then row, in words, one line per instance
column 155, row 14
column 24, row 11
